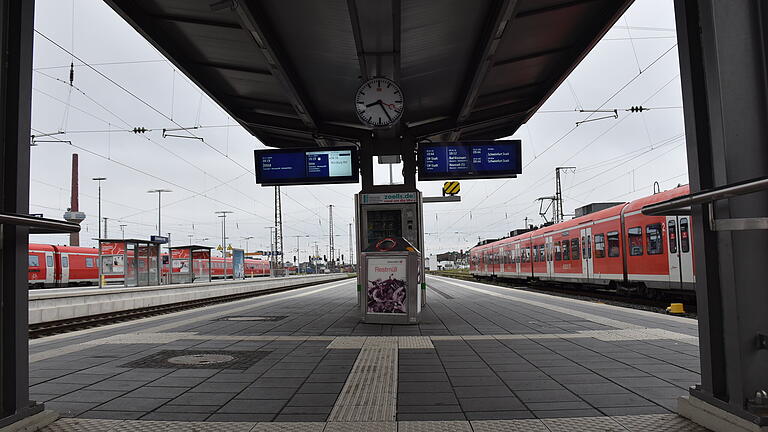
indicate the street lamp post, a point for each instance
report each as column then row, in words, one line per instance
column 159, row 193
column 223, row 215
column 99, row 180
column 246, row 242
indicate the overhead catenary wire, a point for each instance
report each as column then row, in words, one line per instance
column 567, row 133
column 150, row 106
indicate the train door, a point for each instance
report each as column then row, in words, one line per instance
column 50, row 269
column 548, row 247
column 680, row 251
column 64, row 268
column 517, row 259
column 587, row 267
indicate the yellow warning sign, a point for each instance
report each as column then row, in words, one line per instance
column 451, row 188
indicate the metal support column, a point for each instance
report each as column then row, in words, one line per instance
column 16, row 31
column 723, row 56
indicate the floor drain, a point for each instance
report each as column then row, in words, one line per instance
column 200, row 359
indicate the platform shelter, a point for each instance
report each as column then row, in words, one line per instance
column 190, row 263
column 130, row 262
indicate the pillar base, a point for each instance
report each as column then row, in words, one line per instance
column 714, row 418
column 33, row 423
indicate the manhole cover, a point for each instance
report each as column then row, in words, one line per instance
column 200, row 359
column 253, row 318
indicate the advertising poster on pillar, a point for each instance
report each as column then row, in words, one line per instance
column 387, row 285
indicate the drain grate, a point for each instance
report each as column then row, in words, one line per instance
column 253, row 318
column 197, row 359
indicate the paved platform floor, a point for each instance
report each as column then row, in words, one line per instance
column 483, row 358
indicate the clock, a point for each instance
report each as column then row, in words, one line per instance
column 379, row 103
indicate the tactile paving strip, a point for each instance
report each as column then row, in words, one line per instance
column 583, row 424
column 177, row 426
column 509, row 426
column 434, row 426
column 659, row 423
column 289, row 427
column 81, row 425
column 414, row 342
column 370, row 392
column 636, row 423
column 358, row 427
column 347, row 342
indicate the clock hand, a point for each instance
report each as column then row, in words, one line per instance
column 373, row 103
column 381, row 104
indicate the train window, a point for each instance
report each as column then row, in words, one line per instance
column 535, row 253
column 542, row 258
column 635, row 239
column 655, row 243
column 558, row 255
column 49, row 261
column 89, row 262
column 583, row 247
column 34, row 260
column 599, row 245
column 684, row 240
column 575, row 248
column 589, row 247
column 566, row 250
column 672, row 228
column 614, row 247
column 64, row 261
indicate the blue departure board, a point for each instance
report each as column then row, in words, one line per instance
column 469, row 159
column 307, row 166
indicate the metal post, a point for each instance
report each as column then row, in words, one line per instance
column 99, row 180
column 159, row 192
column 223, row 215
column 106, row 235
column 122, row 230
column 722, row 50
column 330, row 236
column 16, row 40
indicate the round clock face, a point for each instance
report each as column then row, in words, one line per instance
column 379, row 102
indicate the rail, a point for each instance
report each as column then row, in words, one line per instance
column 682, row 205
column 39, row 225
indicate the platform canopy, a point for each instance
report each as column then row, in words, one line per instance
column 288, row 70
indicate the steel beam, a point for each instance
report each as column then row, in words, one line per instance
column 354, row 20
column 723, row 56
column 498, row 18
column 254, row 20
column 16, row 35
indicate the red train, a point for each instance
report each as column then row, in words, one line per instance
column 61, row 266
column 617, row 247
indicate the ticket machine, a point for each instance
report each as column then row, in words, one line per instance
column 391, row 215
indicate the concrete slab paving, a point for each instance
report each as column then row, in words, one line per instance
column 482, row 358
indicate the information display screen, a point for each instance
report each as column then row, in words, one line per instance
column 469, row 159
column 307, row 166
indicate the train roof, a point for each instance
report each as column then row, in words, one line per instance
column 657, row 198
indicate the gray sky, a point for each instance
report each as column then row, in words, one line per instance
column 616, row 159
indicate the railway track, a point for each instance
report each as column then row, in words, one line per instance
column 597, row 295
column 68, row 325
